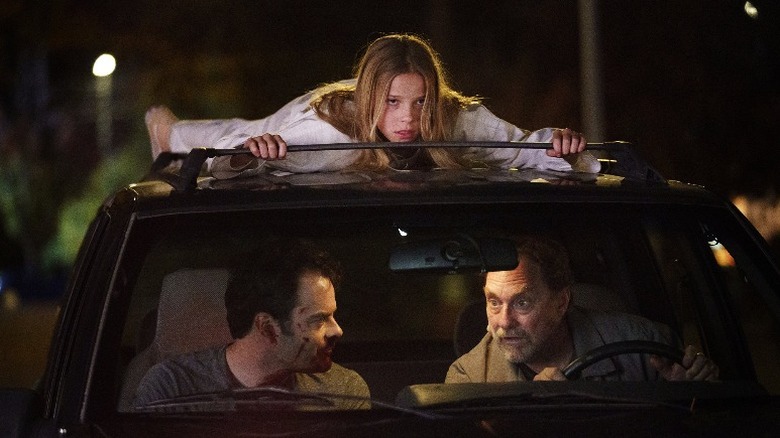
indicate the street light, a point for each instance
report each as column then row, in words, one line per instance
column 751, row 10
column 104, row 65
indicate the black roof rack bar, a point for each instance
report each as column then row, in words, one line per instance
column 625, row 159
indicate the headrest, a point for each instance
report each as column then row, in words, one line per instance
column 191, row 313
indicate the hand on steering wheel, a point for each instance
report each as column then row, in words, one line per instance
column 574, row 369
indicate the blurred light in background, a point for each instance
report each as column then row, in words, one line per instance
column 722, row 256
column 751, row 10
column 104, row 65
column 10, row 300
column 763, row 213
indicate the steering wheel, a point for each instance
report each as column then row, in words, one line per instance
column 574, row 369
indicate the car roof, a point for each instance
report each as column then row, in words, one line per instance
column 177, row 182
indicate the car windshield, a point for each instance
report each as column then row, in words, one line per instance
column 411, row 299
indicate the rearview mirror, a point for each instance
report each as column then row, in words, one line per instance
column 460, row 253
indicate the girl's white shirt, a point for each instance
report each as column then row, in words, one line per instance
column 298, row 124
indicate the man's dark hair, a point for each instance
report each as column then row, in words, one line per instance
column 552, row 258
column 267, row 281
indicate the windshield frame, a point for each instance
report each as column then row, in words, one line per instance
column 116, row 309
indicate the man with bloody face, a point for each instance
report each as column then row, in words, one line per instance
column 280, row 306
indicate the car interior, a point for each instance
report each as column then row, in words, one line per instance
column 405, row 325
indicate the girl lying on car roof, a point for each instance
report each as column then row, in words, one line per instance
column 400, row 94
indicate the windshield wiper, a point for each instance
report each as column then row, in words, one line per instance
column 267, row 397
column 544, row 400
column 545, row 394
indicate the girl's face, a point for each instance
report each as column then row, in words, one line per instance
column 400, row 118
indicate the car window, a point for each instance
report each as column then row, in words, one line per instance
column 399, row 327
column 757, row 322
column 720, row 294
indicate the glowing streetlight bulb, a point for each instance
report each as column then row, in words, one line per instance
column 751, row 10
column 102, row 68
column 104, row 65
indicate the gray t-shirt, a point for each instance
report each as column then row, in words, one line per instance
column 207, row 371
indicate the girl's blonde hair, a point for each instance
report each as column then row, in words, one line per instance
column 355, row 109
